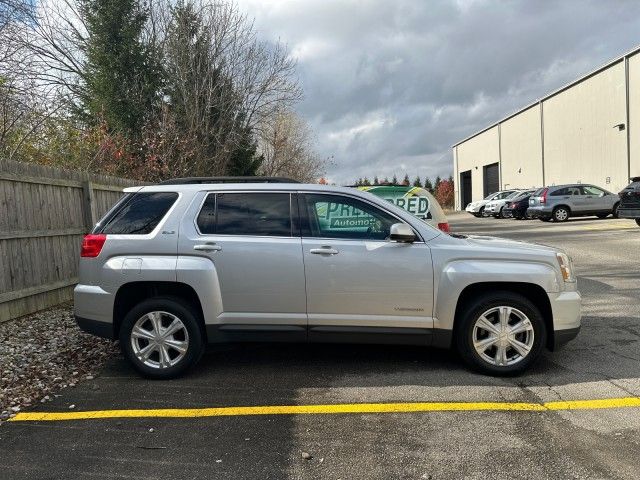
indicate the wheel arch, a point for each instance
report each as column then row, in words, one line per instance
column 561, row 205
column 531, row 291
column 132, row 293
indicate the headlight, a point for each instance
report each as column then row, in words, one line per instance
column 566, row 267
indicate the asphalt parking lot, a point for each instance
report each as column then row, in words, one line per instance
column 599, row 443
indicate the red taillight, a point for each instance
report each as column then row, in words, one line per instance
column 92, row 245
column 444, row 227
column 543, row 197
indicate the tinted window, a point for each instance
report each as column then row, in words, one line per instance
column 263, row 214
column 335, row 216
column 139, row 214
column 566, row 191
column 207, row 216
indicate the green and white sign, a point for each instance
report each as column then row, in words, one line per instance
column 412, row 199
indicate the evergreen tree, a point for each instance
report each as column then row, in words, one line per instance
column 122, row 77
column 405, row 180
column 366, row 182
column 385, row 181
column 428, row 185
column 394, row 180
column 417, row 182
column 376, row 181
column 243, row 161
column 437, row 183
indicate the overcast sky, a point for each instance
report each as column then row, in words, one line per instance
column 390, row 85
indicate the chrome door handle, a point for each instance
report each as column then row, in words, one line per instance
column 324, row 251
column 207, row 247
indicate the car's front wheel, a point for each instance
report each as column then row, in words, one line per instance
column 162, row 337
column 502, row 333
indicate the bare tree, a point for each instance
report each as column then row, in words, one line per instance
column 222, row 82
column 287, row 147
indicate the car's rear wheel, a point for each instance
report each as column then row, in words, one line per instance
column 560, row 214
column 502, row 333
column 162, row 337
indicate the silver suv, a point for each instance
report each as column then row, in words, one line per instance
column 174, row 267
column 560, row 202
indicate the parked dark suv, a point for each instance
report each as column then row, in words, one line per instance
column 630, row 201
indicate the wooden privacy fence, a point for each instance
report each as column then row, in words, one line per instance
column 44, row 212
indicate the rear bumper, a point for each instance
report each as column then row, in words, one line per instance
column 539, row 212
column 629, row 212
column 95, row 327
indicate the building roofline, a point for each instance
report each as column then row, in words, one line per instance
column 553, row 93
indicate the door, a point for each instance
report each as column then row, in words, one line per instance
column 491, row 178
column 361, row 287
column 596, row 199
column 465, row 190
column 255, row 249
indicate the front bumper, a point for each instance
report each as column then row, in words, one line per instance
column 473, row 210
column 566, row 308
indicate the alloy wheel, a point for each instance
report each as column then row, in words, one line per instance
column 503, row 336
column 159, row 339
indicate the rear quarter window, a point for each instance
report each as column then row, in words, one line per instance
column 139, row 214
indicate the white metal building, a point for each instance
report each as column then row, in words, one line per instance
column 586, row 132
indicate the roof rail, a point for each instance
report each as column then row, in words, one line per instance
column 196, row 180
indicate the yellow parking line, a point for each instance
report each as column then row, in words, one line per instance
column 331, row 409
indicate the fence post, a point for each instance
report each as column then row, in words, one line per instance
column 88, row 205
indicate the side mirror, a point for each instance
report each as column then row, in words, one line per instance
column 401, row 232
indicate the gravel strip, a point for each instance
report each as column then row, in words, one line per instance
column 42, row 353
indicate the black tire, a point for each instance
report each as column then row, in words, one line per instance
column 602, row 215
column 464, row 331
column 481, row 212
column 638, row 221
column 191, row 321
column 561, row 214
column 615, row 211
column 477, row 215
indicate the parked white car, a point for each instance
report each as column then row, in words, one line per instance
column 477, row 208
column 494, row 207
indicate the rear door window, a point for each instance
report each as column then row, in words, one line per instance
column 138, row 214
column 257, row 214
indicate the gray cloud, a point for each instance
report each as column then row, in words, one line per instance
column 390, row 85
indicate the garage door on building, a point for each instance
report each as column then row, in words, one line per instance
column 491, row 178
